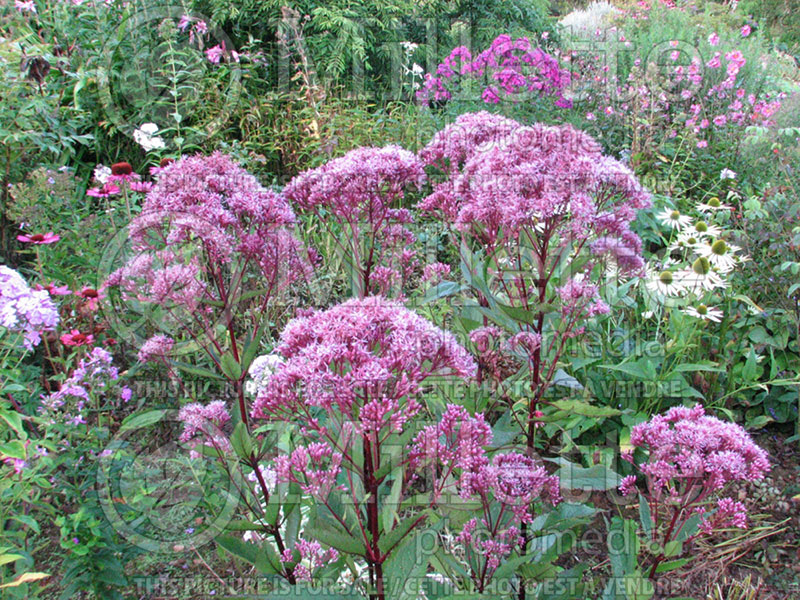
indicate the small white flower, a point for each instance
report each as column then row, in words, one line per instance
column 727, row 174
column 712, row 205
column 417, row 70
column 674, row 219
column 261, row 369
column 707, row 313
column 101, row 174
column 702, row 230
column 149, row 128
column 146, row 137
column 685, row 241
column 701, row 277
column 269, row 475
column 720, row 254
column 664, row 284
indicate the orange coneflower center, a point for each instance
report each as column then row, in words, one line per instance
column 166, row 162
column 38, row 237
column 90, row 293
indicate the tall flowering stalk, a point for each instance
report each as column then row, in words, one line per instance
column 692, row 457
column 356, row 198
column 541, row 206
column 504, row 489
column 350, row 381
column 212, row 248
column 541, row 214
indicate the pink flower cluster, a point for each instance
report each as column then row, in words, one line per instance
column 506, row 487
column 94, row 377
column 692, row 456
column 23, row 310
column 203, row 214
column 314, row 468
column 553, row 180
column 688, row 447
column 357, row 192
column 203, row 425
column 701, row 97
column 156, row 348
column 364, row 359
column 307, row 557
column 513, row 66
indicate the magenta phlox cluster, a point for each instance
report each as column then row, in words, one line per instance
column 511, row 66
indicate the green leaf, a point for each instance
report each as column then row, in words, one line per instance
column 248, row 552
column 251, row 349
column 336, row 538
column 13, row 449
column 9, row 558
column 230, row 367
column 750, row 370
column 645, row 518
column 673, row 548
column 520, row 315
column 241, row 442
column 641, row 369
column 564, row 379
column 623, row 546
column 141, row 420
column 672, row 565
column 689, row 528
column 405, row 565
column 393, row 537
column 504, row 431
column 443, row 290
column 198, row 371
column 243, row 525
column 692, row 367
column 509, row 566
column 391, row 503
column 14, row 421
column 595, row 478
column 579, row 407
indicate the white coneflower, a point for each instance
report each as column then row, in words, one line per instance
column 674, row 219
column 701, row 276
column 720, row 254
column 685, row 241
column 707, row 313
column 664, row 283
column 701, row 229
column 713, row 205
